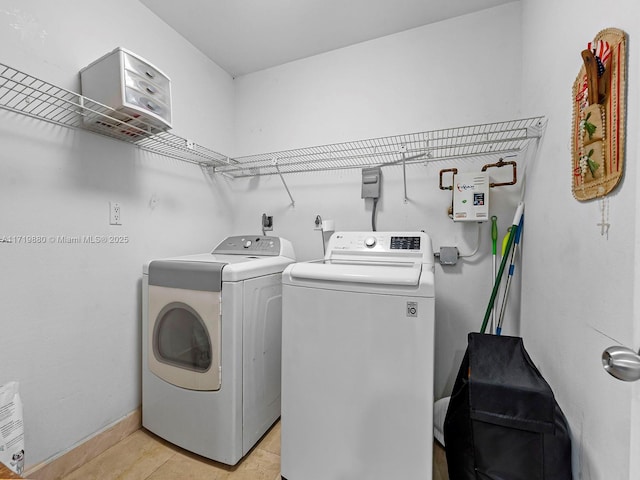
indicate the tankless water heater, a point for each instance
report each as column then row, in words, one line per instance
column 471, row 197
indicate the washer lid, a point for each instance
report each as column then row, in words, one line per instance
column 406, row 274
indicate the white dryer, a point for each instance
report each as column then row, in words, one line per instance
column 211, row 345
column 357, row 360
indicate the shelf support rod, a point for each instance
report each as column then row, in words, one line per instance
column 275, row 164
column 403, row 150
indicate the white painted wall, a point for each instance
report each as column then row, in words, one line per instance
column 580, row 289
column 634, row 468
column 450, row 74
column 71, row 313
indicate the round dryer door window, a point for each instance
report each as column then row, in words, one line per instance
column 181, row 338
column 184, row 337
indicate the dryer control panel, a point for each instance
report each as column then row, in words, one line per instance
column 249, row 244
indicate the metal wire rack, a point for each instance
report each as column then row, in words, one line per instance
column 28, row 95
column 470, row 141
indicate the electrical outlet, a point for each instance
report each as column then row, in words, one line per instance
column 115, row 214
column 267, row 223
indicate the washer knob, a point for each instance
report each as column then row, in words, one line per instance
column 370, row 242
column 247, row 244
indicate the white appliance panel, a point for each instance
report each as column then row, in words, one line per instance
column 380, row 361
column 262, row 356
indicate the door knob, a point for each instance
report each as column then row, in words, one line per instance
column 622, row 362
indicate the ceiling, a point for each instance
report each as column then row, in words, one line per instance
column 244, row 36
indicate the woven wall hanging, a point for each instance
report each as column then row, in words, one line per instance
column 599, row 113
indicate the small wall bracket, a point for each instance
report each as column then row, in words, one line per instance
column 403, row 151
column 275, row 164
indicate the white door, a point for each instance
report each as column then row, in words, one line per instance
column 634, row 460
column 634, row 469
column 624, row 364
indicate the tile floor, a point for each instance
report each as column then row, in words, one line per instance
column 144, row 456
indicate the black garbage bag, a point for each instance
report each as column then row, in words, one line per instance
column 503, row 422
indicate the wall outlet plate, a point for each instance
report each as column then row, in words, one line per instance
column 115, row 213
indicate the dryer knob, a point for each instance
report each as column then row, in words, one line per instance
column 247, row 244
column 370, row 242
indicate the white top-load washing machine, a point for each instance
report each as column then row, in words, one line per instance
column 211, row 345
column 357, row 360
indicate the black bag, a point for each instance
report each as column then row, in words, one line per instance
column 503, row 422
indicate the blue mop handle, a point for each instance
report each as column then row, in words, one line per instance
column 503, row 264
column 512, row 268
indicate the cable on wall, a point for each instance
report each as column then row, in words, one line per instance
column 373, row 214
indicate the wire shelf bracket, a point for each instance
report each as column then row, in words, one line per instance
column 275, row 164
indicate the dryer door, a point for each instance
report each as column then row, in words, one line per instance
column 184, row 337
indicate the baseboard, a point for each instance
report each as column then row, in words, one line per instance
column 76, row 457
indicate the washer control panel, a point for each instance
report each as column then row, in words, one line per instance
column 405, row 243
column 381, row 244
column 370, row 242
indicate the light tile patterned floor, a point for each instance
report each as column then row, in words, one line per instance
column 144, row 456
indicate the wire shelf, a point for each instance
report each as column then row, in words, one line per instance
column 453, row 143
column 28, row 95
column 24, row 94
